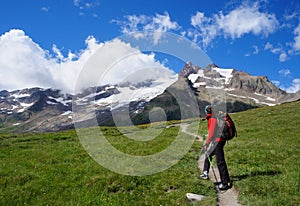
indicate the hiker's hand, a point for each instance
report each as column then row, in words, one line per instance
column 205, row 147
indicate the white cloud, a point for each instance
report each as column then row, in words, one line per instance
column 295, row 87
column 256, row 50
column 277, row 50
column 83, row 4
column 296, row 44
column 21, row 60
column 282, row 57
column 86, row 6
column 23, row 63
column 268, row 46
column 45, row 9
column 139, row 25
column 206, row 28
column 276, row 82
column 245, row 19
column 284, row 72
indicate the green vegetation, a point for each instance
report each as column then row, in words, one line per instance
column 54, row 168
column 264, row 159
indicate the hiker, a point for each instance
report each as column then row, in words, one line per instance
column 217, row 150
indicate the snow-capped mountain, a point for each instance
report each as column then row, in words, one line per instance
column 234, row 90
column 237, row 85
column 38, row 110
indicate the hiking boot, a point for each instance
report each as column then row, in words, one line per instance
column 223, row 186
column 204, row 175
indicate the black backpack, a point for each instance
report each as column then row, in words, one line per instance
column 226, row 126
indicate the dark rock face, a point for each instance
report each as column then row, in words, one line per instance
column 259, row 84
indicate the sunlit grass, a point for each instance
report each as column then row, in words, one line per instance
column 54, row 168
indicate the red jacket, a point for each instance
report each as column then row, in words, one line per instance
column 212, row 129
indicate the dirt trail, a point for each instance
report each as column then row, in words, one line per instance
column 183, row 128
column 225, row 198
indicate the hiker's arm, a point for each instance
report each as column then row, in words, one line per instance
column 211, row 129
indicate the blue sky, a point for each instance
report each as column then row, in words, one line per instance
column 260, row 37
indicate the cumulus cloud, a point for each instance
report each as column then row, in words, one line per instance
column 22, row 60
column 23, row 63
column 245, row 19
column 206, row 28
column 138, row 25
column 295, row 87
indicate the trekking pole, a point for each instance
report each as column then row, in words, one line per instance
column 212, row 167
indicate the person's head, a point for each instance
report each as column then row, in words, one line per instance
column 208, row 109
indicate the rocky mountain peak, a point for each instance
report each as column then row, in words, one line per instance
column 188, row 69
column 243, row 81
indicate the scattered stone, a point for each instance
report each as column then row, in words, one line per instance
column 194, row 197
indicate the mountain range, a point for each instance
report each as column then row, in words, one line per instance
column 180, row 96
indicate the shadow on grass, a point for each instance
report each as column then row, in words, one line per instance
column 255, row 173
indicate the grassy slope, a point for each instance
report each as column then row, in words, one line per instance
column 54, row 169
column 264, row 159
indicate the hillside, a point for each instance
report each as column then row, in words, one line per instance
column 264, row 158
column 54, row 169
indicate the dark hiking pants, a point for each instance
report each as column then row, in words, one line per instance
column 219, row 152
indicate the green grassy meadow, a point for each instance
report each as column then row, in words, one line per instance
column 54, row 168
column 264, row 159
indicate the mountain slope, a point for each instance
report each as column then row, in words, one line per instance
column 41, row 110
column 228, row 89
column 183, row 96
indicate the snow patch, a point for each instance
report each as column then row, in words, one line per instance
column 196, row 85
column 14, row 107
column 234, row 95
column 128, row 95
column 271, row 99
column 227, row 73
column 266, row 97
column 67, row 113
column 209, row 87
column 17, row 96
column 52, row 103
column 254, row 99
column 193, row 77
column 60, row 100
column 229, row 89
column 25, row 104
